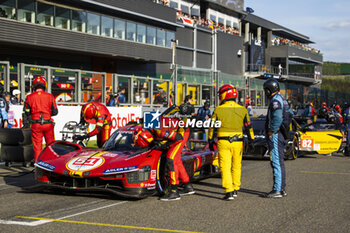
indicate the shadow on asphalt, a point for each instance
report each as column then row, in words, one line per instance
column 248, row 191
column 307, row 157
column 253, row 192
column 255, row 158
column 208, row 196
column 24, row 179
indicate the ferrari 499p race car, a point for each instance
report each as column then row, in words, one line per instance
column 119, row 167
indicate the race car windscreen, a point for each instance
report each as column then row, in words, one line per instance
column 121, row 141
column 321, row 127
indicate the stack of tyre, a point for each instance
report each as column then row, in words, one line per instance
column 16, row 146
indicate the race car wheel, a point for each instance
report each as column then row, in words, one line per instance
column 288, row 151
column 14, row 136
column 295, row 148
column 347, row 151
column 24, row 154
column 162, row 175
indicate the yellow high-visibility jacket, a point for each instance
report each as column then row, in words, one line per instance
column 233, row 118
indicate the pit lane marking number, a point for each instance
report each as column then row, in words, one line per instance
column 307, row 143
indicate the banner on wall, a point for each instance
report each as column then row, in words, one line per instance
column 120, row 116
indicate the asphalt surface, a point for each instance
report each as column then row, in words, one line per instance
column 318, row 201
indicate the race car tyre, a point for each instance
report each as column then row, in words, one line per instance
column 295, row 148
column 14, row 136
column 288, row 152
column 162, row 175
column 23, row 154
column 347, row 151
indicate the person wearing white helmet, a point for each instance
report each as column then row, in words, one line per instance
column 16, row 97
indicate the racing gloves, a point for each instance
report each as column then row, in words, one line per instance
column 211, row 144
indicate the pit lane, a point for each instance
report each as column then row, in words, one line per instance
column 318, row 200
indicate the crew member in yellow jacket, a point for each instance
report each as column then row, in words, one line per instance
column 233, row 118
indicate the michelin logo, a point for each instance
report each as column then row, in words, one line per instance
column 151, row 120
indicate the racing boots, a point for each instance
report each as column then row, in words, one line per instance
column 274, row 194
column 235, row 193
column 229, row 196
column 187, row 190
column 172, row 194
column 284, row 193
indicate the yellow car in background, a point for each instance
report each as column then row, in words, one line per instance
column 319, row 137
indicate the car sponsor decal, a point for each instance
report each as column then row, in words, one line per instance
column 317, row 146
column 148, row 184
column 120, row 169
column 86, row 163
column 110, row 155
column 153, row 174
column 307, row 142
column 46, row 166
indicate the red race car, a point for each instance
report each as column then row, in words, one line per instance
column 119, row 167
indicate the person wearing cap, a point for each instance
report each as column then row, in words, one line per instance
column 234, row 118
column 16, row 97
column 40, row 106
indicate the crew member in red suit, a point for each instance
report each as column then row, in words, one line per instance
column 40, row 106
column 94, row 112
column 325, row 106
column 176, row 138
column 338, row 113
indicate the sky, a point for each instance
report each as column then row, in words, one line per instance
column 326, row 22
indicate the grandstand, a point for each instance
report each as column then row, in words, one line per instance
column 150, row 47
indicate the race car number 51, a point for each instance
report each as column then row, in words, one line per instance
column 85, row 163
column 307, row 143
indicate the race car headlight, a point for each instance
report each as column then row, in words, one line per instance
column 139, row 176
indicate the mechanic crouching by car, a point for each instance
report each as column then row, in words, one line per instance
column 39, row 107
column 277, row 128
column 94, row 112
column 176, row 139
column 233, row 118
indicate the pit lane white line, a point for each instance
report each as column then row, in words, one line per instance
column 98, row 208
column 31, row 224
column 40, row 222
column 67, row 209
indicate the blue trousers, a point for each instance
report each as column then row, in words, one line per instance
column 277, row 144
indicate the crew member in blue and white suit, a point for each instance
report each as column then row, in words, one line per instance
column 275, row 137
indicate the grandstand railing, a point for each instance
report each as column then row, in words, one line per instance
column 261, row 68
